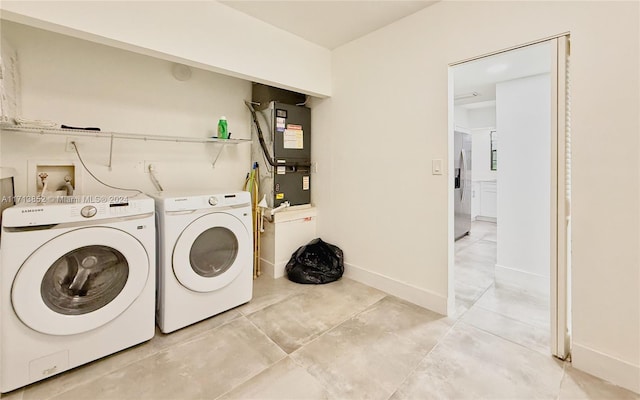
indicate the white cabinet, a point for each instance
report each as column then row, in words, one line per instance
column 484, row 206
column 475, row 200
column 289, row 230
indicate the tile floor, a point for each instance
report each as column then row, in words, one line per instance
column 347, row 341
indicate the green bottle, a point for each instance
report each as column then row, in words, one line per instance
column 223, row 132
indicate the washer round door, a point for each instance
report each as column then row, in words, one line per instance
column 80, row 280
column 211, row 252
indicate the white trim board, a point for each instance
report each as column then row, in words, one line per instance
column 532, row 283
column 271, row 269
column 423, row 298
column 612, row 369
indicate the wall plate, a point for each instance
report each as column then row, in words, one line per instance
column 56, row 169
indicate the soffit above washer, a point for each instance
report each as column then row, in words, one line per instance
column 328, row 23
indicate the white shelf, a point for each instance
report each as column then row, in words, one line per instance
column 116, row 135
column 120, row 135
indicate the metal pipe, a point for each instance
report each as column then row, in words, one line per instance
column 263, row 144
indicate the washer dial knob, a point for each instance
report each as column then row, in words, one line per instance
column 88, row 211
column 213, row 200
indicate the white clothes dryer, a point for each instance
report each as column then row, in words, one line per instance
column 205, row 263
column 77, row 283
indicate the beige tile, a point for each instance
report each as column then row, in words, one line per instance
column 517, row 305
column 472, row 364
column 529, row 336
column 370, row 355
column 491, row 237
column 473, row 274
column 268, row 291
column 482, row 229
column 464, row 242
column 468, row 292
column 580, row 385
column 162, row 341
column 482, row 251
column 206, row 367
column 283, row 380
column 304, row 316
column 461, row 307
column 88, row 372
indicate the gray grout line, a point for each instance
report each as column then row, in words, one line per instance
column 262, row 370
column 441, row 339
column 267, row 336
column 328, row 389
column 290, row 295
column 341, row 322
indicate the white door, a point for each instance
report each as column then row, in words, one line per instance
column 80, row 280
column 211, row 252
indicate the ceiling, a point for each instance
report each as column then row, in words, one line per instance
column 328, row 23
column 481, row 75
column 332, row 23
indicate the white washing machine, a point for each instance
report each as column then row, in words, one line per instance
column 77, row 283
column 205, row 262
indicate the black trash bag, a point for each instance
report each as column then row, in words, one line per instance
column 317, row 262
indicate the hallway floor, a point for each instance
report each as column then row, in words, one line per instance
column 346, row 340
column 511, row 314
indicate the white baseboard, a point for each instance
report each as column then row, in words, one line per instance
column 487, row 219
column 609, row 368
column 423, row 298
column 274, row 271
column 532, row 283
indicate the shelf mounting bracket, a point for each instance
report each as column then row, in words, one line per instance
column 215, row 160
column 110, row 151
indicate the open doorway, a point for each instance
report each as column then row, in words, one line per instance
column 505, row 193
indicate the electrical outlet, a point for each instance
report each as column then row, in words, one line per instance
column 70, row 147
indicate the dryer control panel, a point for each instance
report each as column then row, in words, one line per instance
column 206, row 201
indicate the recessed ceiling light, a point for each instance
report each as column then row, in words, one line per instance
column 497, row 68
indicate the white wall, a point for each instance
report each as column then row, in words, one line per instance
column 524, row 178
column 484, row 117
column 461, row 116
column 81, row 83
column 204, row 34
column 388, row 118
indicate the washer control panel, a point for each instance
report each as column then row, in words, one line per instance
column 76, row 209
column 88, row 211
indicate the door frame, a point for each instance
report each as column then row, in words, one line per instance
column 560, row 284
column 560, row 302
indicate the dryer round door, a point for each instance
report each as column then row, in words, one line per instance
column 211, row 252
column 80, row 280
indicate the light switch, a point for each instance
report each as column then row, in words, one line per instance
column 436, row 167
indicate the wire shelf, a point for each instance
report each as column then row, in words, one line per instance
column 116, row 135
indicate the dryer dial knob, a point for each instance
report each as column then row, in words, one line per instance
column 88, row 211
column 213, row 200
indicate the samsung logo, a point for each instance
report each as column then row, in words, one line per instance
column 32, row 210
